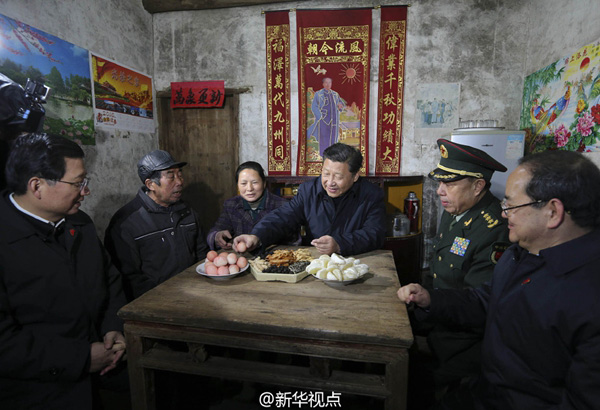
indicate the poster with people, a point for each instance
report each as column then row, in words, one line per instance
column 334, row 83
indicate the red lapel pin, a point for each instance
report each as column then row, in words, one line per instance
column 72, row 232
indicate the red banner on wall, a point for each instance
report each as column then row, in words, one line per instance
column 198, row 94
column 334, row 51
column 390, row 101
column 278, row 92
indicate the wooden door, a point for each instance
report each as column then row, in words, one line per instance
column 207, row 139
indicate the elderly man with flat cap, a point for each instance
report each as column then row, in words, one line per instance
column 471, row 237
column 156, row 235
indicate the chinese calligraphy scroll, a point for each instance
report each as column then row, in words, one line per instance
column 199, row 94
column 334, row 50
column 391, row 90
column 278, row 92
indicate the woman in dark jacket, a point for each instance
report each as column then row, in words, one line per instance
column 243, row 211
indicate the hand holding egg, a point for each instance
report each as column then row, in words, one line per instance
column 245, row 243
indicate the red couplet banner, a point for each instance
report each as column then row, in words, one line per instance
column 198, row 94
column 278, row 92
column 334, row 51
column 390, row 102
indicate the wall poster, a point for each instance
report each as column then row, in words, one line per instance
column 26, row 52
column 334, row 51
column 561, row 103
column 122, row 97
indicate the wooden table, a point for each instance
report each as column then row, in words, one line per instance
column 361, row 322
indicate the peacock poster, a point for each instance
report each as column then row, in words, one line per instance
column 561, row 104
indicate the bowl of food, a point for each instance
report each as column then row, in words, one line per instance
column 223, row 266
column 337, row 271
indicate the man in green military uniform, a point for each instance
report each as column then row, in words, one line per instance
column 472, row 236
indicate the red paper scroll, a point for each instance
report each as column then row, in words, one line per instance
column 334, row 50
column 199, row 94
column 391, row 90
column 278, row 92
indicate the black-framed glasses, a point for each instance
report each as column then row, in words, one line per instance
column 79, row 185
column 505, row 208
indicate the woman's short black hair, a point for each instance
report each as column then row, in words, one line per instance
column 339, row 152
column 250, row 165
column 38, row 155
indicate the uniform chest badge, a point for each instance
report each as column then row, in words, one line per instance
column 459, row 246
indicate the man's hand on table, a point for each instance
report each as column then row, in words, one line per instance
column 414, row 293
column 245, row 243
column 106, row 354
column 326, row 245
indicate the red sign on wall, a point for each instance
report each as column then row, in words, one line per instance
column 198, row 94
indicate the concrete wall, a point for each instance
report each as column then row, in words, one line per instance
column 120, row 31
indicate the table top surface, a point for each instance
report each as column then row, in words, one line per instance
column 367, row 311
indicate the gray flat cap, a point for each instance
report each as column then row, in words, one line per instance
column 156, row 161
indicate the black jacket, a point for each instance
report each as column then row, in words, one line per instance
column 56, row 297
column 150, row 243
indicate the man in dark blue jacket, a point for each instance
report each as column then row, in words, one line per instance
column 541, row 345
column 341, row 212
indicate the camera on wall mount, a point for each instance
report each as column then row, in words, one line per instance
column 21, row 108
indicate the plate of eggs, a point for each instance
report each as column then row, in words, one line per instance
column 222, row 266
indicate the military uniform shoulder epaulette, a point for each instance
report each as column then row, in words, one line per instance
column 491, row 219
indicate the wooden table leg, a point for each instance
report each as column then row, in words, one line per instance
column 396, row 382
column 141, row 381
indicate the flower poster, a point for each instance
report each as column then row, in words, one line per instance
column 26, row 52
column 122, row 97
column 561, row 103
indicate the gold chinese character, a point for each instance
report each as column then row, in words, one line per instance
column 386, row 154
column 278, row 83
column 279, row 151
column 278, row 99
column 391, row 42
column 389, row 117
column 340, row 47
column 325, row 48
column 388, row 99
column 278, row 135
column 354, row 47
column 278, row 45
column 278, row 117
column 312, row 49
column 388, row 136
column 391, row 62
column 278, row 64
column 390, row 78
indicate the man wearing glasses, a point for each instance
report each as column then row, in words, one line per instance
column 541, row 346
column 59, row 295
column 156, row 235
column 471, row 237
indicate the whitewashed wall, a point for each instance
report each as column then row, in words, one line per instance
column 120, row 31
